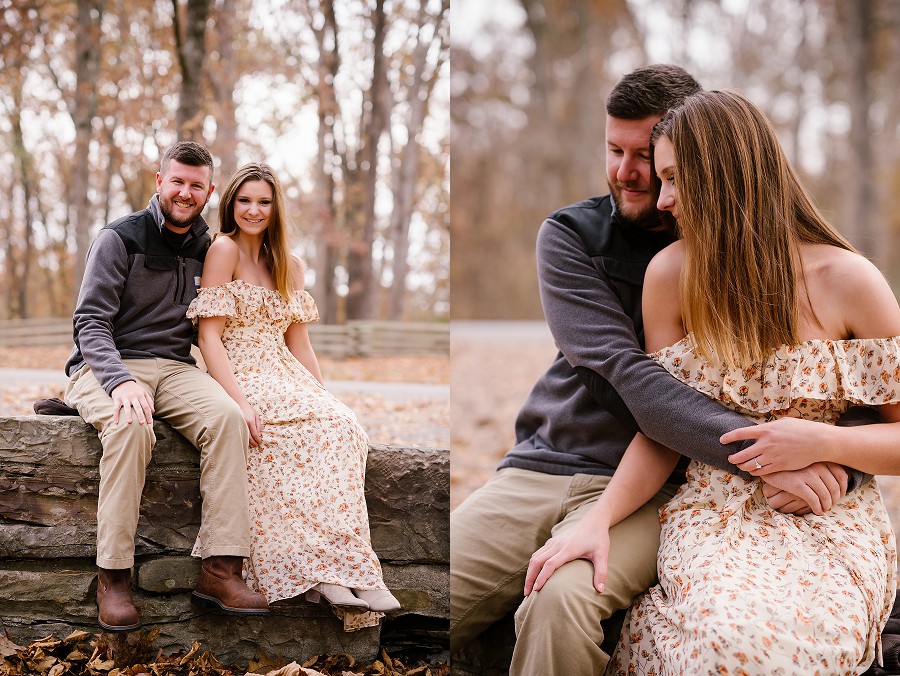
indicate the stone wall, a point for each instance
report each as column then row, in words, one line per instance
column 48, row 500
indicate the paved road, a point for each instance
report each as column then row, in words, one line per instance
column 523, row 331
column 393, row 391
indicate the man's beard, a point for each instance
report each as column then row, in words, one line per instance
column 648, row 218
column 175, row 220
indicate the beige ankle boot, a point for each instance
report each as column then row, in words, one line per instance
column 339, row 597
column 379, row 600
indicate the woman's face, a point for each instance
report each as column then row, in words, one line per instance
column 253, row 207
column 664, row 163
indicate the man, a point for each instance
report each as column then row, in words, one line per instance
column 582, row 413
column 132, row 361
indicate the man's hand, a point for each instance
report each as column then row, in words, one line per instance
column 129, row 395
column 781, row 445
column 817, row 487
column 583, row 541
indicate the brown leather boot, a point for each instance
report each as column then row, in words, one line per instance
column 220, row 585
column 116, row 609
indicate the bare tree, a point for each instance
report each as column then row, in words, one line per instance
column 83, row 111
column 190, row 33
column 361, row 296
column 223, row 76
column 422, row 79
column 859, row 41
column 327, row 229
column 21, row 263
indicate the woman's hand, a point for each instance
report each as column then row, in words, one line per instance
column 253, row 424
column 780, row 446
column 820, row 486
column 584, row 541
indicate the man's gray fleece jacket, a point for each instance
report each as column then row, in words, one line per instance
column 134, row 296
column 602, row 387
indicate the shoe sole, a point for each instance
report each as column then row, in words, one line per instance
column 113, row 628
column 118, row 629
column 210, row 602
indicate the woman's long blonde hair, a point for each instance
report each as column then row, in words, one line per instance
column 743, row 215
column 275, row 240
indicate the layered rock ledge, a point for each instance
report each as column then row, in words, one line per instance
column 48, row 500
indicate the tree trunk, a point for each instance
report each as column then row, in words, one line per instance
column 406, row 175
column 361, row 296
column 224, row 80
column 11, row 256
column 189, row 44
column 887, row 143
column 26, row 246
column 861, row 195
column 87, row 69
column 52, row 280
column 328, row 240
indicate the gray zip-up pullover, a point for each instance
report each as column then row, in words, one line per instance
column 134, row 296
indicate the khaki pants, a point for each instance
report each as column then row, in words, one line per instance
column 197, row 407
column 493, row 535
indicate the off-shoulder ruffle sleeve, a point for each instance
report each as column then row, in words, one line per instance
column 860, row 371
column 303, row 308
column 213, row 301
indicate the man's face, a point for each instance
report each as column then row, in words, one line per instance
column 183, row 191
column 628, row 168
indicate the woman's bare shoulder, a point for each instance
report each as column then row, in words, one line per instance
column 223, row 246
column 841, row 271
column 855, row 289
column 666, row 265
column 221, row 261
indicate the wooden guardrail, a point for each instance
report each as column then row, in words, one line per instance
column 31, row 332
column 353, row 339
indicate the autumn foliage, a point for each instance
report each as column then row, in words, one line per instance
column 84, row 654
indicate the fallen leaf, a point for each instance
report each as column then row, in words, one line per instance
column 8, row 648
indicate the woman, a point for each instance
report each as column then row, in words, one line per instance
column 785, row 322
column 306, row 465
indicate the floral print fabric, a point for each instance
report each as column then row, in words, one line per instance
column 308, row 516
column 744, row 589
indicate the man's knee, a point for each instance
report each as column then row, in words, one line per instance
column 227, row 422
column 558, row 629
column 231, row 418
column 126, row 443
column 567, row 598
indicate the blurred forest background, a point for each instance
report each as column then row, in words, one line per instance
column 528, row 89
column 348, row 100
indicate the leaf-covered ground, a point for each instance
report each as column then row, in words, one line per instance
column 84, row 654
column 494, row 366
column 415, row 421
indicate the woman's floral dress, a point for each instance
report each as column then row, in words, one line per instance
column 308, row 518
column 744, row 589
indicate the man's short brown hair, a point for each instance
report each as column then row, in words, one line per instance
column 651, row 90
column 190, row 153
